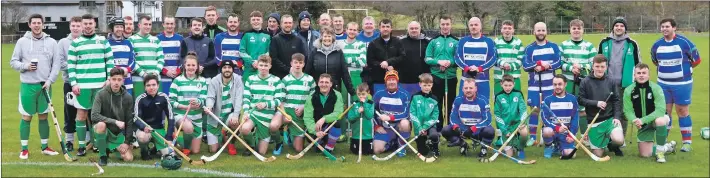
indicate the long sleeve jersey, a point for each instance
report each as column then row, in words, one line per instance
column 534, row 55
column 442, row 48
column 254, row 43
column 89, row 61
column 424, row 111
column 511, row 53
column 644, row 101
column 268, row 90
column 509, row 109
column 368, row 115
column 561, row 110
column 123, row 57
column 355, row 54
column 184, row 89
column 470, row 112
column 226, row 47
column 149, row 54
column 581, row 52
column 675, row 60
column 152, row 110
column 171, row 51
column 393, row 104
column 477, row 52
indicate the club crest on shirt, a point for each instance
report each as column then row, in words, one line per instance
column 650, row 96
column 199, row 85
column 263, row 39
column 515, row 100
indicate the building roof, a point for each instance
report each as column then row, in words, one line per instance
column 67, row 2
column 189, row 12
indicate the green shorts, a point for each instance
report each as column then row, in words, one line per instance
column 114, row 140
column 599, row 133
column 159, row 143
column 196, row 124
column 261, row 128
column 214, row 131
column 497, row 88
column 647, row 133
column 516, row 142
column 85, row 99
column 32, row 99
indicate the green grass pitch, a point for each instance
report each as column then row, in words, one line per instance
column 450, row 163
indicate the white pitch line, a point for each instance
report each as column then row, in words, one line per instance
column 203, row 171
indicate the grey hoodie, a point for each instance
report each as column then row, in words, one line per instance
column 214, row 96
column 62, row 51
column 44, row 50
column 616, row 64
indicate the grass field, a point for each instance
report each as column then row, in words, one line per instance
column 681, row 164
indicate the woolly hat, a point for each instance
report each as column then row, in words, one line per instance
column 392, row 74
column 276, row 16
column 303, row 15
column 620, row 20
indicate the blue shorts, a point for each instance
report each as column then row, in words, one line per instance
column 534, row 97
column 677, row 94
column 562, row 141
column 410, row 88
column 389, row 136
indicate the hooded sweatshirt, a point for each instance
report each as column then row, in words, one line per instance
column 219, row 101
column 46, row 52
column 330, row 60
column 110, row 107
column 623, row 55
column 617, row 52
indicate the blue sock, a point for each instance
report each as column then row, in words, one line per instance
column 532, row 126
column 686, row 128
column 405, row 135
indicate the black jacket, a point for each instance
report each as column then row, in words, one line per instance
column 152, row 110
column 413, row 63
column 378, row 51
column 281, row 48
column 333, row 63
column 204, row 47
column 592, row 90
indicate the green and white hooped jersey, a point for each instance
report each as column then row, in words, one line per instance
column 297, row 90
column 227, row 105
column 89, row 62
column 581, row 53
column 182, row 90
column 511, row 54
column 149, row 54
column 355, row 55
column 268, row 90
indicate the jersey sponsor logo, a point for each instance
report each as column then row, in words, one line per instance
column 171, row 56
column 167, row 44
column 470, row 121
column 670, row 62
column 561, row 105
column 231, row 41
column 469, row 107
column 474, row 57
column 120, row 61
column 564, row 120
column 543, row 51
column 230, row 53
column 120, row 48
column 391, row 101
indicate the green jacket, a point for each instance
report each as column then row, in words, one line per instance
column 442, row 48
column 253, row 44
column 367, row 116
column 424, row 111
column 308, row 111
column 641, row 103
column 509, row 108
column 632, row 52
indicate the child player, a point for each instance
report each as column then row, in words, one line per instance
column 424, row 113
column 509, row 107
column 262, row 94
column 298, row 86
column 363, row 111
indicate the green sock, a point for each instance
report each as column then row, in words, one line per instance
column 583, row 124
column 661, row 134
column 101, row 143
column 187, row 138
column 44, row 132
column 249, row 138
column 81, row 133
column 180, row 141
column 276, row 136
column 24, row 133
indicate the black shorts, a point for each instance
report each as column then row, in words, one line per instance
column 366, row 146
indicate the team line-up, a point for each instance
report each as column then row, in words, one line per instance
column 283, row 85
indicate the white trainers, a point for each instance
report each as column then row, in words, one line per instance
column 49, row 151
column 135, row 144
column 660, row 158
column 670, row 146
column 24, row 154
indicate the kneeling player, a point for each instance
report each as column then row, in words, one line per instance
column 644, row 101
column 297, row 87
column 560, row 117
column 363, row 111
column 262, row 94
column 509, row 107
column 393, row 104
column 188, row 92
column 224, row 99
column 324, row 106
column 152, row 106
column 424, row 113
column 111, row 112
column 470, row 118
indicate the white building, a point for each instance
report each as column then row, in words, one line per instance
column 61, row 11
column 137, row 8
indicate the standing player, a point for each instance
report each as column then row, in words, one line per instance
column 368, row 33
column 170, row 41
column 123, row 52
column 255, row 43
column 362, row 111
column 113, row 115
column 439, row 56
column 541, row 59
column 560, row 117
column 149, row 53
column 211, row 28
column 393, row 104
column 69, row 110
column 283, row 46
column 305, row 31
column 262, row 94
column 224, row 99
column 509, row 107
column 470, row 118
column 341, row 33
column 424, row 112
column 128, row 30
column 355, row 53
column 324, row 20
column 37, row 59
column 384, row 53
column 593, row 93
column 577, row 55
column 475, row 54
column 227, row 44
column 676, row 56
column 649, row 114
column 203, row 47
column 273, row 26
column 509, row 51
column 89, row 62
column 188, row 92
column 322, row 108
column 153, row 107
column 298, row 85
